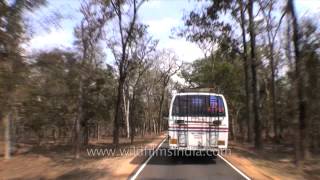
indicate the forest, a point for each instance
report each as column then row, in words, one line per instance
column 258, row 54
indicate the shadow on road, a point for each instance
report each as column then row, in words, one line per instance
column 163, row 157
column 181, row 160
column 83, row 174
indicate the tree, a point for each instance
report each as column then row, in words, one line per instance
column 310, row 44
column 267, row 8
column 207, row 28
column 168, row 66
column 88, row 33
column 142, row 51
column 254, row 63
column 151, row 89
column 301, row 144
column 48, row 92
column 226, row 77
column 128, row 32
column 246, row 69
column 12, row 65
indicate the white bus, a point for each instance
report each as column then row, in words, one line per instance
column 198, row 120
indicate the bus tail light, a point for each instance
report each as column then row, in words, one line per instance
column 221, row 142
column 173, row 141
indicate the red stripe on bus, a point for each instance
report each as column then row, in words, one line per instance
column 197, row 130
column 206, row 130
column 197, row 127
column 201, row 129
column 200, row 121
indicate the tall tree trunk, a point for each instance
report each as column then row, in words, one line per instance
column 77, row 142
column 235, row 125
column 7, row 146
column 127, row 113
column 232, row 127
column 273, row 94
column 85, row 134
column 246, row 64
column 132, row 117
column 154, row 126
column 301, row 148
column 117, row 117
column 288, row 44
column 257, row 124
column 161, row 109
column 98, row 131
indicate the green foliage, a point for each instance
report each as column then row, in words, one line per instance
column 223, row 75
column 51, row 92
column 49, row 99
column 217, row 71
column 12, row 65
column 208, row 27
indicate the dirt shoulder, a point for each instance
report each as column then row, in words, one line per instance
column 274, row 162
column 57, row 162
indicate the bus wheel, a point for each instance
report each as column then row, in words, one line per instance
column 214, row 154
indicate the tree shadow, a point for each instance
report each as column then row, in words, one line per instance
column 73, row 175
column 61, row 160
column 83, row 174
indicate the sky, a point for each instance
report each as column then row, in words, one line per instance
column 161, row 16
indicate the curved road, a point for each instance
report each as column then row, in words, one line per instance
column 162, row 166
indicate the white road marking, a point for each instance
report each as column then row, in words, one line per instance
column 153, row 153
column 240, row 172
column 146, row 162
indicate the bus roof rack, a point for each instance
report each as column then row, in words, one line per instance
column 209, row 90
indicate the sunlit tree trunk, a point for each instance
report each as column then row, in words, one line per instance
column 127, row 113
column 7, row 146
column 160, row 117
column 98, row 131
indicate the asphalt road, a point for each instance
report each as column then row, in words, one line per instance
column 162, row 166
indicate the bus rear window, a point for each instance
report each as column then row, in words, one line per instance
column 198, row 105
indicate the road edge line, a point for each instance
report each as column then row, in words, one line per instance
column 238, row 170
column 136, row 174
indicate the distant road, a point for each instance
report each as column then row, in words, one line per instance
column 165, row 167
